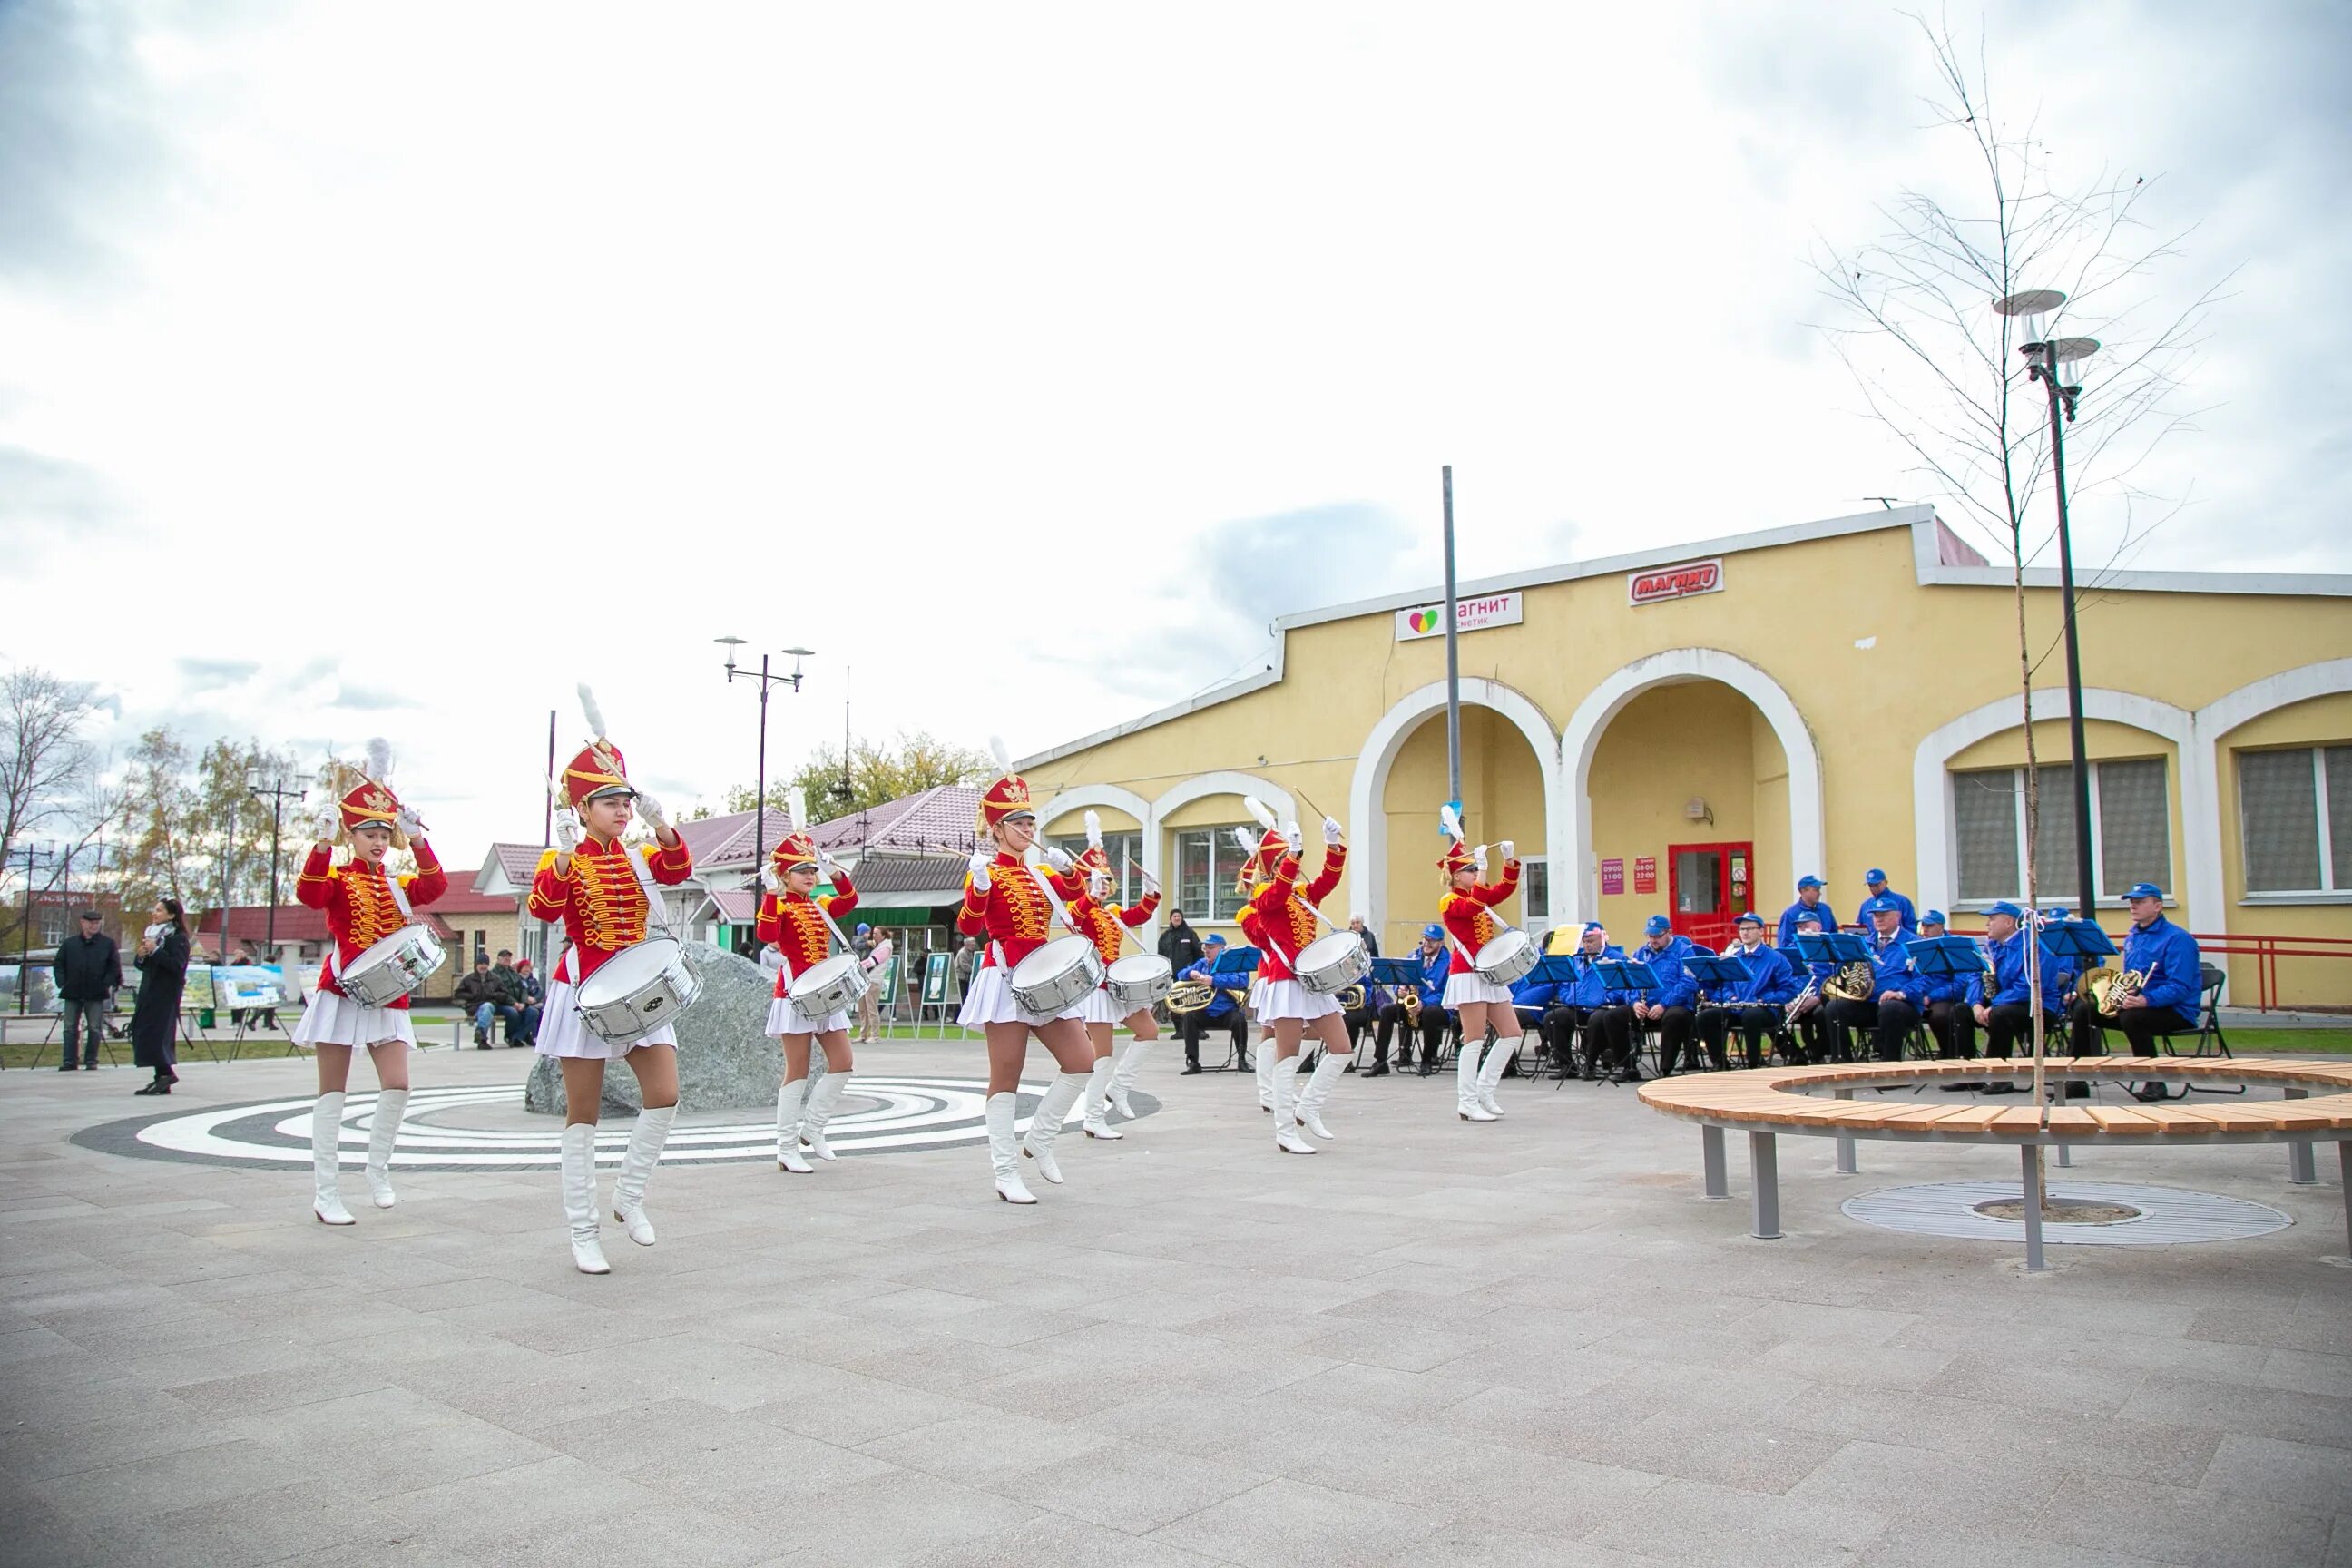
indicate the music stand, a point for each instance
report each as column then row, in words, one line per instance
column 1711, row 971
column 1834, row 947
column 2078, row 940
column 1235, row 961
column 1942, row 956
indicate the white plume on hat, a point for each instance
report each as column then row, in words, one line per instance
column 1093, row 829
column 1256, row 808
column 1247, row 840
column 594, row 714
column 1449, row 821
column 379, row 759
column 996, row 750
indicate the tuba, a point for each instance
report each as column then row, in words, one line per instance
column 1191, row 996
column 1853, row 982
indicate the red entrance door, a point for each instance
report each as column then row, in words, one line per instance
column 1709, row 885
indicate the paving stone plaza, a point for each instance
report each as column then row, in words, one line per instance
column 1526, row 1343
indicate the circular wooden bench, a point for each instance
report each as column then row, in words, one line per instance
column 1764, row 1102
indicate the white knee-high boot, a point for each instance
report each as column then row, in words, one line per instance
column 326, row 1129
column 1098, row 1099
column 1285, row 1086
column 1127, row 1062
column 1004, row 1152
column 646, row 1141
column 1317, row 1092
column 788, row 1127
column 1046, row 1124
column 821, row 1102
column 1465, row 1084
column 580, row 1197
column 1266, row 1075
column 383, row 1131
column 1491, row 1070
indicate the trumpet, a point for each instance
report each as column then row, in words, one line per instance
column 1804, row 999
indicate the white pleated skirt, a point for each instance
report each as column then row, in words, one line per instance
column 989, row 1000
column 1289, row 999
column 1469, row 985
column 330, row 1019
column 563, row 1033
column 1256, row 1003
column 1098, row 1008
column 784, row 1017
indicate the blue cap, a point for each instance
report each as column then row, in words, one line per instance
column 1432, row 932
column 1804, row 882
column 2143, row 890
column 1881, row 906
column 1213, row 939
column 1873, row 876
column 1593, row 925
column 2006, row 908
column 1934, row 918
column 1807, row 917
column 863, row 928
column 1750, row 919
column 1658, row 925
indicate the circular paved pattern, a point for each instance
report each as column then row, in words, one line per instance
column 2166, row 1214
column 882, row 1113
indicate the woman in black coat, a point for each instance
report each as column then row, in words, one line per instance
column 163, row 963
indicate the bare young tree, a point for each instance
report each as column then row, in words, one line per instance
column 1937, row 365
column 46, row 764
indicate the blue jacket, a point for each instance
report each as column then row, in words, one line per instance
column 1890, row 968
column 1910, row 920
column 1532, row 994
column 1220, row 1005
column 1788, row 921
column 2172, row 953
column 1434, row 967
column 2009, row 978
column 1769, row 980
column 1677, row 989
column 1948, row 987
column 1590, row 990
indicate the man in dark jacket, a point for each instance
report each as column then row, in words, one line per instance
column 485, row 996
column 87, row 967
column 516, row 1008
column 1180, row 944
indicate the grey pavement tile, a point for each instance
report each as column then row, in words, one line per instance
column 1477, row 1544
column 893, row 1519
column 1406, row 1396
column 1191, row 1422
column 2253, row 1411
column 2316, row 1479
column 186, row 1477
column 1288, row 1524
column 1053, row 1539
column 259, row 1528
column 1906, row 1545
column 1937, row 1488
column 32, row 1451
column 849, row 1409
column 389, row 1440
column 1691, row 1444
column 470, row 1515
column 39, row 1536
column 2306, row 1370
column 1127, row 1486
column 2172, row 1524
column 298, row 1383
column 1695, row 1521
column 2037, row 1384
column 982, row 1450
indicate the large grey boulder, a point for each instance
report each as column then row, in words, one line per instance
column 726, row 1061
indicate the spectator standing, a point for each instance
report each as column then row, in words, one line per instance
column 1180, row 944
column 1372, row 943
column 163, row 961
column 959, row 970
column 87, row 968
column 876, row 962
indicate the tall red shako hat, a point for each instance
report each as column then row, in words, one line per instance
column 598, row 768
column 1271, row 845
column 365, row 800
column 1008, row 797
column 1457, row 856
column 796, row 848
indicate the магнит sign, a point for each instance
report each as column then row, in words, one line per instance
column 1469, row 616
column 1675, row 582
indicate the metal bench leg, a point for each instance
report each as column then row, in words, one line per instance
column 2344, row 1161
column 2066, row 1156
column 1764, row 1173
column 1845, row 1142
column 2302, row 1169
column 2032, row 1184
column 1710, row 1157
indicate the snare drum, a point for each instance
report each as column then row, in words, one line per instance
column 830, row 986
column 638, row 990
column 392, row 968
column 1056, row 977
column 1329, row 964
column 1506, row 958
column 1137, row 981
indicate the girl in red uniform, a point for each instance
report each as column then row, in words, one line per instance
column 1092, row 916
column 596, row 886
column 1465, row 909
column 1004, row 906
column 1286, row 924
column 363, row 903
column 796, row 921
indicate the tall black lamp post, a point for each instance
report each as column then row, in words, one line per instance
column 760, row 796
column 276, row 794
column 2053, row 362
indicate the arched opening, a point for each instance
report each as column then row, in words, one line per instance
column 1503, row 797
column 1688, row 787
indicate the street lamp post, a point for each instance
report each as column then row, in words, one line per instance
column 2052, row 361
column 276, row 794
column 24, row 932
column 760, row 788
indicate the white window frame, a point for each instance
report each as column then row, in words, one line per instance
column 1128, row 868
column 2098, row 845
column 1173, row 890
column 2327, row 892
column 1532, row 918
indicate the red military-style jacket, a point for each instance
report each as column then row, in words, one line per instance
column 601, row 905
column 1286, row 921
column 358, row 902
column 1466, row 916
column 795, row 924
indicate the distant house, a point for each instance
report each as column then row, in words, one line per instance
column 465, row 920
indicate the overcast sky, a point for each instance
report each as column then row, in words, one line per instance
column 386, row 371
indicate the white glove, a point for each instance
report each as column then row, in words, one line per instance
column 1290, row 836
column 1510, row 850
column 1330, row 831
column 326, row 824
column 979, row 861
column 1478, row 859
column 651, row 810
column 567, row 831
column 770, row 881
column 1056, row 859
column 411, row 826
column 823, row 866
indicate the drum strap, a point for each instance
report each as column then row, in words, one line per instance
column 407, row 918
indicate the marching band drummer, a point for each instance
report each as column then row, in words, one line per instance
column 2006, row 1009
column 1103, row 924
column 1422, row 1013
column 1465, row 909
column 363, row 904
column 1004, row 904
column 1670, row 1008
column 794, row 920
column 1753, row 1003
column 597, row 886
column 1287, row 919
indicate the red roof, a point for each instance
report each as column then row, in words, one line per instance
column 250, row 922
column 462, row 899
column 935, row 821
column 729, row 840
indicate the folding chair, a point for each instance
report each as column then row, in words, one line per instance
column 2209, row 980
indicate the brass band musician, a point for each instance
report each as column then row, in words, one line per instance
column 2157, row 995
column 1754, row 1004
column 1890, row 1010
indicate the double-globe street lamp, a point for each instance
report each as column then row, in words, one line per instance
column 2053, row 362
column 766, row 681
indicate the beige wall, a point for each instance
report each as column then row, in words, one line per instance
column 2321, row 721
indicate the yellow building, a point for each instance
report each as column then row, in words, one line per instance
column 1691, row 730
